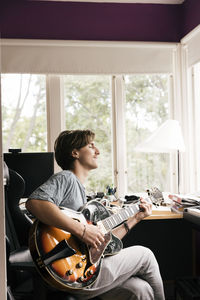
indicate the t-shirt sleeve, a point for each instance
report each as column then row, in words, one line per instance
column 54, row 189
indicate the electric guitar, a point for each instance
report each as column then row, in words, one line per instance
column 64, row 261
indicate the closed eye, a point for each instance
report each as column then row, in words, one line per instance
column 91, row 145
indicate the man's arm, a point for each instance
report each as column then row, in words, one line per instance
column 50, row 214
column 146, row 210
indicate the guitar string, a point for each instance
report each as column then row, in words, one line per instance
column 118, row 218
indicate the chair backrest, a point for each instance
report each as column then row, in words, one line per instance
column 11, row 234
column 17, row 224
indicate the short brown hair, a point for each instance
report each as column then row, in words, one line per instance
column 66, row 142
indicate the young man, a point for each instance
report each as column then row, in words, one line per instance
column 133, row 273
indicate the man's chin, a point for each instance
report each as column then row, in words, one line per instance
column 95, row 167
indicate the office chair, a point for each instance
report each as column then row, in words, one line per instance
column 21, row 221
column 24, row 283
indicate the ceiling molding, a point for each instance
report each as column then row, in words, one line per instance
column 122, row 1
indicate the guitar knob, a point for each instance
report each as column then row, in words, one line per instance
column 69, row 272
column 90, row 272
column 81, row 279
column 79, row 265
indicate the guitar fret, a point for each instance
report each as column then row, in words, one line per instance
column 135, row 209
column 130, row 211
column 127, row 212
column 106, row 225
column 110, row 223
column 124, row 215
column 116, row 219
column 119, row 219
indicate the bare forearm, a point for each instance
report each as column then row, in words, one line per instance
column 145, row 210
column 121, row 230
column 50, row 214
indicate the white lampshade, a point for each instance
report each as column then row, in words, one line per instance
column 167, row 138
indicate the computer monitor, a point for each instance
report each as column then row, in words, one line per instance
column 35, row 168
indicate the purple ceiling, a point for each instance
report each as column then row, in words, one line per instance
column 98, row 21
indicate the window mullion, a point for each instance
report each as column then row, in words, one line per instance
column 187, row 123
column 55, row 109
column 180, row 113
column 195, row 76
column 2, row 218
column 118, row 134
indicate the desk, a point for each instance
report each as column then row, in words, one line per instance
column 195, row 220
column 170, row 238
column 160, row 212
column 164, row 213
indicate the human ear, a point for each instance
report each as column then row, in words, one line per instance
column 75, row 153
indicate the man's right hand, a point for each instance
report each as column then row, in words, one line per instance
column 92, row 235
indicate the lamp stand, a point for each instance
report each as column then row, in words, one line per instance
column 178, row 170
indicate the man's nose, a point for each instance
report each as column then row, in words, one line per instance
column 97, row 150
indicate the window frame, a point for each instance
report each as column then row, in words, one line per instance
column 130, row 58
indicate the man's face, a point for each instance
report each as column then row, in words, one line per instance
column 88, row 155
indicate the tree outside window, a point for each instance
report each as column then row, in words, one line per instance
column 88, row 106
column 24, row 112
column 146, row 109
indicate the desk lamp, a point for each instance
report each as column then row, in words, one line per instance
column 167, row 138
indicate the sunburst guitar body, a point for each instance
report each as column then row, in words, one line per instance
column 64, row 261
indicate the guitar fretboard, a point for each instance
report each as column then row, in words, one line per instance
column 118, row 218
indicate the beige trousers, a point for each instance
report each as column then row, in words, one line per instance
column 132, row 274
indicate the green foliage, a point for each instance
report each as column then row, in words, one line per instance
column 88, row 106
column 146, row 109
column 24, row 113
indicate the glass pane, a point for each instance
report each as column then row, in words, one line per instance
column 195, row 152
column 24, row 112
column 147, row 107
column 88, row 106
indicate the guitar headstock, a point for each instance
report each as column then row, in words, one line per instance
column 156, row 196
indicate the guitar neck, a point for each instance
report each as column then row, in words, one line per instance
column 118, row 218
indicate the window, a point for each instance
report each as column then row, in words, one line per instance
column 147, row 107
column 24, row 112
column 195, row 109
column 87, row 101
column 88, row 104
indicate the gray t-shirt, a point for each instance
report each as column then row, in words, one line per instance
column 63, row 189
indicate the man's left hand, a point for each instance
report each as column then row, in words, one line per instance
column 146, row 210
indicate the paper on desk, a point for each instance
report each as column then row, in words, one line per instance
column 185, row 200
